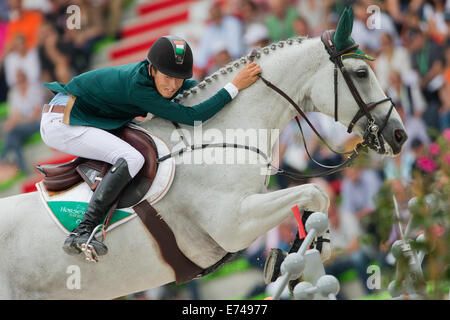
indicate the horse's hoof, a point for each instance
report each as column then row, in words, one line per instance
column 273, row 265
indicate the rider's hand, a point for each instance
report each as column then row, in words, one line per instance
column 247, row 76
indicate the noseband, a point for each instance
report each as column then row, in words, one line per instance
column 372, row 137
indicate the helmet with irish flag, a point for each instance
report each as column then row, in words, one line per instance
column 172, row 56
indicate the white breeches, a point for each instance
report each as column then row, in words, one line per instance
column 88, row 142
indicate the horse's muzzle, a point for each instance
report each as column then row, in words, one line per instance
column 397, row 138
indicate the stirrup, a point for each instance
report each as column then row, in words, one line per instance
column 88, row 249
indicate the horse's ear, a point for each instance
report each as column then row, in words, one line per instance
column 342, row 37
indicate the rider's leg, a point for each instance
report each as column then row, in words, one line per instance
column 106, row 193
column 97, row 144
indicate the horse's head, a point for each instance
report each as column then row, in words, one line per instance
column 345, row 87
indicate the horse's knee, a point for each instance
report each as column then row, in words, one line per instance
column 319, row 200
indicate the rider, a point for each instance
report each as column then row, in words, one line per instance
column 78, row 118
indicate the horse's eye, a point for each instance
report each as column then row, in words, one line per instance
column 362, row 73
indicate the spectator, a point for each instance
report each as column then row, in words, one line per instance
column 219, row 56
column 447, row 22
column 22, row 58
column 444, row 94
column 280, row 20
column 427, row 60
column 4, row 18
column 314, row 13
column 250, row 13
column 399, row 167
column 408, row 96
column 82, row 40
column 4, row 23
column 391, row 58
column 114, row 11
column 433, row 13
column 24, row 117
column 415, row 128
column 369, row 37
column 23, row 22
column 301, row 27
column 57, row 14
column 40, row 5
column 226, row 28
column 358, row 188
column 54, row 54
column 256, row 36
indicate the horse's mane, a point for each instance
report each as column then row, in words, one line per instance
column 236, row 64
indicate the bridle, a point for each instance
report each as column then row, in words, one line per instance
column 372, row 137
column 373, row 132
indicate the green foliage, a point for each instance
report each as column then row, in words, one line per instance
column 427, row 200
column 3, row 110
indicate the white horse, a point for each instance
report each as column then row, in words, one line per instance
column 211, row 208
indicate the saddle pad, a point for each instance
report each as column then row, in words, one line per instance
column 67, row 207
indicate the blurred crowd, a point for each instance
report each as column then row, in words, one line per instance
column 43, row 41
column 409, row 39
column 411, row 43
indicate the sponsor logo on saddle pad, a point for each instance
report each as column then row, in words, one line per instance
column 67, row 207
column 70, row 213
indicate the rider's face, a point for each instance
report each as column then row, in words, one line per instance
column 166, row 85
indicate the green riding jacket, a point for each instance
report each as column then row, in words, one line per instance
column 109, row 98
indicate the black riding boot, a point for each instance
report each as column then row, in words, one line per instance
column 106, row 193
column 276, row 257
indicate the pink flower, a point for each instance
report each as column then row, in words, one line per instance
column 426, row 164
column 434, row 149
column 447, row 158
column 446, row 134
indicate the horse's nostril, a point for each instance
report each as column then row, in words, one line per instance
column 400, row 136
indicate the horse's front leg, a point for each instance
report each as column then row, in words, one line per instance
column 260, row 212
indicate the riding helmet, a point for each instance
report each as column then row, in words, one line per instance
column 172, row 56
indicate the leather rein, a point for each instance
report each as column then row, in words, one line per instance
column 372, row 137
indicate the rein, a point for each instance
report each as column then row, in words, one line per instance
column 372, row 137
column 331, row 169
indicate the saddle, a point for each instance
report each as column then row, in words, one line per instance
column 63, row 176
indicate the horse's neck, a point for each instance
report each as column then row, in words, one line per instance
column 259, row 107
